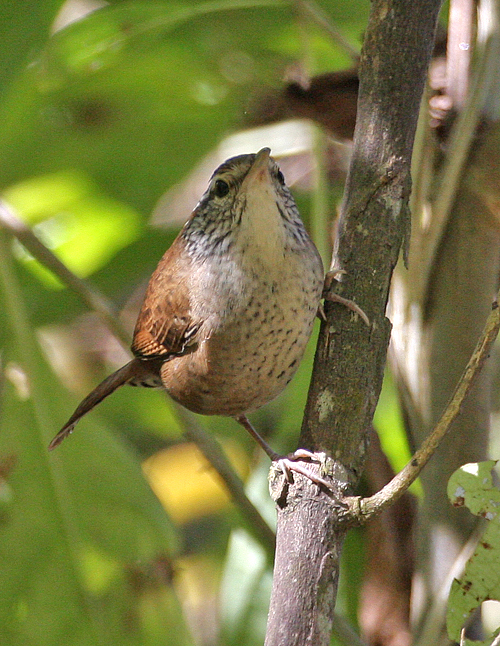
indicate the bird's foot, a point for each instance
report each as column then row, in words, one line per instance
column 290, row 463
column 330, row 277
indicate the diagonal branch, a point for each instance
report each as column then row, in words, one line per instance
column 210, row 448
column 89, row 295
column 362, row 509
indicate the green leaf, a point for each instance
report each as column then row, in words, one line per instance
column 134, row 93
column 472, row 486
column 82, row 226
column 24, row 26
column 389, row 425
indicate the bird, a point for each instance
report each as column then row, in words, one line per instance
column 230, row 308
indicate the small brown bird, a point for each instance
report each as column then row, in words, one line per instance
column 230, row 308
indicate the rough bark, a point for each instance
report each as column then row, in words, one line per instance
column 350, row 355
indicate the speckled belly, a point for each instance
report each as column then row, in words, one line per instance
column 248, row 362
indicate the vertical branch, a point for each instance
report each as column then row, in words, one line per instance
column 350, row 356
column 374, row 223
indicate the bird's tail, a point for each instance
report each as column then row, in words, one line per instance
column 122, row 376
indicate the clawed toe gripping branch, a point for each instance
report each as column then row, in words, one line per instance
column 331, row 278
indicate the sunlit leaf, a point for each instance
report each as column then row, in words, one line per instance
column 81, row 226
column 185, row 482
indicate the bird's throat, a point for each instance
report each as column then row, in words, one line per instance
column 262, row 234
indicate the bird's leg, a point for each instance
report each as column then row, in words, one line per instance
column 245, row 422
column 286, row 463
column 336, row 298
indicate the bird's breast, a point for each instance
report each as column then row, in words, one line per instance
column 257, row 318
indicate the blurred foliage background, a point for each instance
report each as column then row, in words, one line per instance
column 111, row 112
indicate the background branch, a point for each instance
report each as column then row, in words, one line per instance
column 211, row 449
column 89, row 295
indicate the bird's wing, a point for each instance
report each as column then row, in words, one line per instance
column 165, row 326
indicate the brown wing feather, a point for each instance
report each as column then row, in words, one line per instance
column 165, row 327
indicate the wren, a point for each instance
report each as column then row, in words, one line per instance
column 230, row 308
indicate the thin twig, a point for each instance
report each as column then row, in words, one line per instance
column 362, row 509
column 90, row 296
column 322, row 19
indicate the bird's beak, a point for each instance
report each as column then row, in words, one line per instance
column 259, row 169
column 262, row 157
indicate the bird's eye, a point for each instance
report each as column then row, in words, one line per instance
column 280, row 177
column 221, row 188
